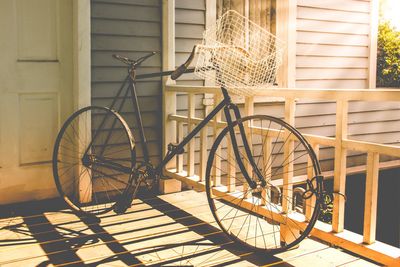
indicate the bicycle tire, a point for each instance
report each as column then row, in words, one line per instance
column 83, row 182
column 237, row 208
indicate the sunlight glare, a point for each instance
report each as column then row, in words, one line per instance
column 390, row 10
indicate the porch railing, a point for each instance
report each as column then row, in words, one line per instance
column 335, row 234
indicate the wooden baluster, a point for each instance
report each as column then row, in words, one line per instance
column 179, row 158
column 288, row 157
column 203, row 144
column 217, row 160
column 168, row 62
column 191, row 144
column 267, row 170
column 288, row 234
column 339, row 181
column 310, row 174
column 371, row 197
column 203, row 153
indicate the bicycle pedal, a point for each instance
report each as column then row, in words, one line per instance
column 283, row 244
column 120, row 208
column 122, row 205
column 91, row 219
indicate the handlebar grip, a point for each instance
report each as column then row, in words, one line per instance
column 179, row 71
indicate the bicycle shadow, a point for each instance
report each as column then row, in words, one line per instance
column 233, row 252
column 26, row 227
column 165, row 244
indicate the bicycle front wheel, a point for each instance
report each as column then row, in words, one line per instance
column 92, row 159
column 276, row 213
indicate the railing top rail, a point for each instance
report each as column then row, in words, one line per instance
column 383, row 94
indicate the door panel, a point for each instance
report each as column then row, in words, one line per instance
column 36, row 74
column 37, row 29
column 37, row 129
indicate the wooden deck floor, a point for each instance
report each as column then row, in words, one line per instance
column 170, row 230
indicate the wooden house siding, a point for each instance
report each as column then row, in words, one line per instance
column 332, row 44
column 131, row 28
column 190, row 19
column 332, row 51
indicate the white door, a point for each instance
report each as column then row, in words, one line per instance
column 35, row 93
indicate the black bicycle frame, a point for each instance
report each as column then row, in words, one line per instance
column 226, row 104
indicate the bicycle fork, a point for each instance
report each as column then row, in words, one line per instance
column 247, row 176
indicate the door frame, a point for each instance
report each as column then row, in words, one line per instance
column 81, row 54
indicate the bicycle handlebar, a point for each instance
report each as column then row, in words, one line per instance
column 174, row 74
column 182, row 68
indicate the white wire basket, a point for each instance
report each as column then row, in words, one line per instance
column 239, row 55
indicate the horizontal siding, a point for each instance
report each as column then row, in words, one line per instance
column 325, row 50
column 125, row 28
column 337, row 5
column 333, row 35
column 329, row 84
column 331, row 38
column 377, row 122
column 152, row 3
column 132, row 12
column 326, row 14
column 332, row 51
column 189, row 28
column 318, row 25
column 131, row 28
column 330, row 62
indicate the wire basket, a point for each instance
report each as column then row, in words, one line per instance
column 239, row 55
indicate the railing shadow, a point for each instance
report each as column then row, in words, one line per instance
column 64, row 243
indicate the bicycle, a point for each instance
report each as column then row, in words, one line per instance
column 96, row 170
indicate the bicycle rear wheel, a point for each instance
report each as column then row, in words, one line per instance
column 274, row 216
column 92, row 159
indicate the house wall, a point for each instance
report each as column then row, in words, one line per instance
column 130, row 28
column 332, row 44
column 190, row 19
column 332, row 51
column 190, row 23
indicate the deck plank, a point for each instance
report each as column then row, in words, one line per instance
column 175, row 229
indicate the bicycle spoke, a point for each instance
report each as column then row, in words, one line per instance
column 73, row 142
column 241, row 212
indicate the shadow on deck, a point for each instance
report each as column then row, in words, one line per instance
column 170, row 230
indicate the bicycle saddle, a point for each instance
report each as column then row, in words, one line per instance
column 132, row 62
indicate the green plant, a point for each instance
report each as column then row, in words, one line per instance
column 327, row 210
column 388, row 58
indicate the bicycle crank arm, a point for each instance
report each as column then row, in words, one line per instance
column 126, row 199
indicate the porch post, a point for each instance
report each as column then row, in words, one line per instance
column 373, row 42
column 81, row 53
column 339, row 180
column 168, row 63
column 81, row 82
column 286, row 31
